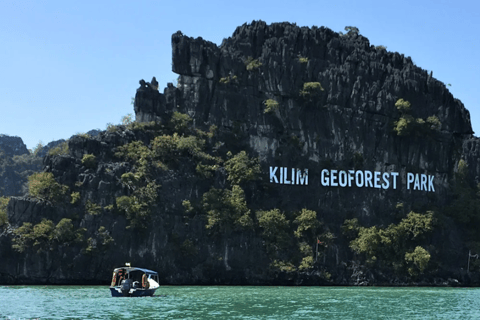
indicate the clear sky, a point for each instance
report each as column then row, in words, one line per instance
column 72, row 66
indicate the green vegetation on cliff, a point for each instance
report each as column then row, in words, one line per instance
column 407, row 124
column 3, row 211
column 396, row 246
column 252, row 64
column 226, row 209
column 46, row 236
column 270, row 106
column 59, row 150
column 43, row 186
column 311, row 90
column 291, row 243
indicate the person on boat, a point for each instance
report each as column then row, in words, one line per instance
column 145, row 283
column 121, row 277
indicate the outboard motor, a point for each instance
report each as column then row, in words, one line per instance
column 126, row 286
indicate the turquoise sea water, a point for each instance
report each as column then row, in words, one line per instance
column 95, row 302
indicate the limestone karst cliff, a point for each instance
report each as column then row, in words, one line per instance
column 16, row 164
column 285, row 155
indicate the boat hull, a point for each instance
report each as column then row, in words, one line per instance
column 117, row 292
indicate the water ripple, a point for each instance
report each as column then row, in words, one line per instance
column 93, row 302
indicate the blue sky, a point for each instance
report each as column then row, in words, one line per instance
column 68, row 67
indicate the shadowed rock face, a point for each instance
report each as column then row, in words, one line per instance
column 13, row 146
column 346, row 125
column 16, row 164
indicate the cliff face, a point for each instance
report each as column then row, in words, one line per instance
column 320, row 111
column 352, row 118
column 16, row 164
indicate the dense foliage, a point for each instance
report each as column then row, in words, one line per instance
column 407, row 124
column 311, row 89
column 46, row 236
column 3, row 211
column 43, row 186
column 397, row 246
column 270, row 106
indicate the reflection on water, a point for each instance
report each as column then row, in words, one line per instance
column 93, row 302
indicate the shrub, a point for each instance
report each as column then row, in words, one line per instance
column 380, row 47
column 212, row 130
column 350, row 228
column 101, row 242
column 302, row 59
column 3, row 211
column 22, row 237
column 93, row 208
column 419, row 258
column 307, row 263
column 367, row 242
column 112, row 128
column 305, row 248
column 241, row 168
column 64, row 231
column 133, row 151
column 275, row 226
column 275, row 230
column 180, row 122
column 61, row 149
column 144, row 126
column 89, row 161
column 416, row 224
column 45, row 235
column 206, row 170
column 38, row 147
column 407, row 124
column 42, row 233
column 43, row 186
column 270, row 106
column 75, row 197
column 403, row 106
column 283, row 266
column 164, row 147
column 311, row 89
column 191, row 144
column 404, row 126
column 390, row 245
column 252, row 64
column 187, row 206
column 83, row 135
column 352, row 30
column 137, row 207
column 226, row 209
column 433, row 122
column 136, row 212
column 307, row 223
column 127, row 119
column 131, row 180
column 228, row 79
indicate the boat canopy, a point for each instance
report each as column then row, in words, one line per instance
column 131, row 269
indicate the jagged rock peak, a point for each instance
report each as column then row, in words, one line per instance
column 12, row 145
column 354, row 74
column 257, row 32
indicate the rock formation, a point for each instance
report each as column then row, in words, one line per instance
column 16, row 164
column 283, row 156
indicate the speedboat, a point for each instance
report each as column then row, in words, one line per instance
column 133, row 282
